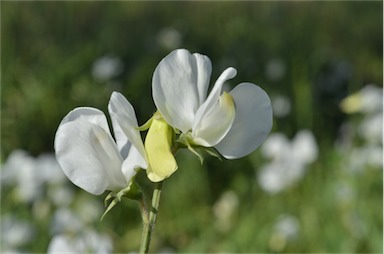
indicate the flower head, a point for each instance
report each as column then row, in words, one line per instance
column 234, row 123
column 88, row 154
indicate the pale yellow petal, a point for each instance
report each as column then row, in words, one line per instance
column 158, row 144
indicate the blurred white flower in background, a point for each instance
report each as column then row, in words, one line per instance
column 87, row 242
column 14, row 233
column 61, row 195
column 169, row 38
column 224, row 208
column 275, row 69
column 361, row 157
column 371, row 128
column 368, row 100
column 64, row 220
column 368, row 105
column 281, row 105
column 106, row 68
column 72, row 232
column 289, row 160
column 286, row 229
column 287, row 226
column 30, row 175
column 88, row 210
column 304, row 147
column 344, row 192
column 38, row 185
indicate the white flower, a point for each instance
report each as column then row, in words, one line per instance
column 64, row 220
column 29, row 175
column 234, row 123
column 90, row 157
column 279, row 175
column 281, row 106
column 371, row 128
column 169, row 38
column 15, row 233
column 86, row 242
column 289, row 160
column 368, row 100
column 224, row 208
column 107, row 67
column 286, row 229
column 287, row 226
column 275, row 69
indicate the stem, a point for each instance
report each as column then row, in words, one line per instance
column 149, row 224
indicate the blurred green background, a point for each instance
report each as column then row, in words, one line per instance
column 306, row 55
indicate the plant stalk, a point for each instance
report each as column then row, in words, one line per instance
column 149, row 224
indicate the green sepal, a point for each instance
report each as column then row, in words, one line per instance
column 132, row 191
column 146, row 125
column 211, row 151
column 197, row 153
column 176, row 131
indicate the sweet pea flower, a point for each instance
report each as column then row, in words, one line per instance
column 233, row 123
column 88, row 154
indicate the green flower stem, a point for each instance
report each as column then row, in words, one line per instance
column 149, row 223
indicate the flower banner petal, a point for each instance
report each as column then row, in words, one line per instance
column 177, row 85
column 216, row 123
column 89, row 114
column 252, row 124
column 204, row 70
column 89, row 157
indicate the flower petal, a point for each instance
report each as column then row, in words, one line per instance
column 92, row 115
column 204, row 70
column 216, row 123
column 89, row 157
column 126, row 131
column 179, row 83
column 158, row 144
column 252, row 124
column 214, row 95
column 227, row 74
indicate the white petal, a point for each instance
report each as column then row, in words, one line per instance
column 252, row 124
column 227, row 74
column 216, row 123
column 133, row 161
column 204, row 70
column 92, row 115
column 126, row 131
column 179, row 82
column 277, row 147
column 89, row 157
column 214, row 95
column 304, row 147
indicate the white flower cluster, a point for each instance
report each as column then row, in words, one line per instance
column 38, row 184
column 367, row 106
column 289, row 160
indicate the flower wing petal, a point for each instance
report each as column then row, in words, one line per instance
column 126, row 132
column 214, row 95
column 216, row 123
column 252, row 124
column 179, row 83
column 89, row 157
